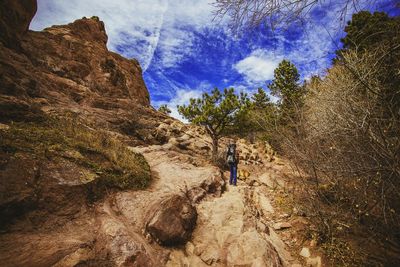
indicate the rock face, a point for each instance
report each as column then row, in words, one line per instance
column 65, row 67
column 78, row 52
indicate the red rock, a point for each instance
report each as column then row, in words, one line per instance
column 69, row 66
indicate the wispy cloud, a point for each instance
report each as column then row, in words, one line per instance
column 135, row 28
column 182, row 97
column 258, row 66
column 182, row 19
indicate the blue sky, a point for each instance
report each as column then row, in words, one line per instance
column 184, row 53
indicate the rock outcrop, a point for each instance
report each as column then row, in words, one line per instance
column 65, row 67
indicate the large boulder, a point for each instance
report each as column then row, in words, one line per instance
column 173, row 221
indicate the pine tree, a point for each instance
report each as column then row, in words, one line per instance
column 366, row 30
column 261, row 99
column 216, row 111
column 164, row 109
column 285, row 86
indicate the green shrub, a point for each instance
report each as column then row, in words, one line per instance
column 72, row 138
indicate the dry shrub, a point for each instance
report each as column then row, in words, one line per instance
column 347, row 138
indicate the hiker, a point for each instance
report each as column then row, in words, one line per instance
column 232, row 158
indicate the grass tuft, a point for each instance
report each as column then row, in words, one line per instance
column 72, row 138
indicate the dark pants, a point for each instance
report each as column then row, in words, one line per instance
column 233, row 178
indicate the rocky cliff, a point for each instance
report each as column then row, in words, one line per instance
column 64, row 67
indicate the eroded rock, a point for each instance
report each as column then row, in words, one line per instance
column 173, row 221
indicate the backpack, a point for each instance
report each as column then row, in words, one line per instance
column 231, row 154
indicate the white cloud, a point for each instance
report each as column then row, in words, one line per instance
column 258, row 66
column 318, row 39
column 310, row 51
column 182, row 19
column 182, row 97
column 135, row 27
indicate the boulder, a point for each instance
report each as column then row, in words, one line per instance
column 184, row 138
column 199, row 145
column 172, row 221
column 254, row 156
column 184, row 144
column 173, row 141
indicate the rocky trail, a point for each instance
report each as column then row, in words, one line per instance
column 233, row 230
column 189, row 216
column 236, row 225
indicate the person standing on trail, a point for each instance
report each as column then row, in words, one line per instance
column 232, row 158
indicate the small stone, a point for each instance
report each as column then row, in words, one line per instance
column 261, row 227
column 198, row 250
column 305, row 252
column 313, row 243
column 284, row 215
column 281, row 225
column 210, row 255
column 4, row 127
column 190, row 248
column 250, row 182
column 314, row 262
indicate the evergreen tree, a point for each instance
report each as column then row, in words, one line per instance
column 377, row 34
column 216, row 111
column 261, row 99
column 285, row 85
column 260, row 119
column 366, row 31
column 164, row 109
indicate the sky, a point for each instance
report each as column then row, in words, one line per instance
column 184, row 52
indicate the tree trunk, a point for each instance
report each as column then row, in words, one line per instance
column 214, row 148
